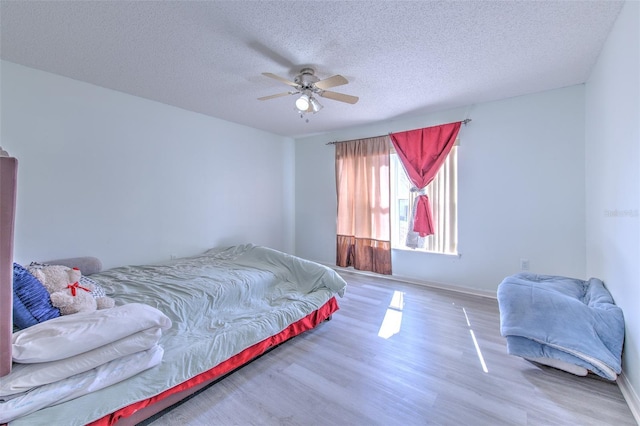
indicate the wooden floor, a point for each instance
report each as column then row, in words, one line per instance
column 428, row 373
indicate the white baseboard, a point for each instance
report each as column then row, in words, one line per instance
column 630, row 395
column 432, row 284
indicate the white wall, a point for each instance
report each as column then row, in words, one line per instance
column 612, row 177
column 521, row 191
column 131, row 180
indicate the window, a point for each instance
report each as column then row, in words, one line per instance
column 443, row 194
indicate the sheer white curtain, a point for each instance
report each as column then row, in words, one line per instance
column 443, row 193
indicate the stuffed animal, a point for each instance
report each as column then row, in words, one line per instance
column 69, row 291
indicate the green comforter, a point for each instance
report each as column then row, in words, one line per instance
column 220, row 303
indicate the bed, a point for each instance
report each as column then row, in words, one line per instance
column 200, row 318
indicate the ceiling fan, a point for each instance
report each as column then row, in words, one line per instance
column 308, row 84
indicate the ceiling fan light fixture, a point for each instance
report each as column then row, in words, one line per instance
column 303, row 103
column 315, row 105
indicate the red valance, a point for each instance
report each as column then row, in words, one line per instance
column 422, row 153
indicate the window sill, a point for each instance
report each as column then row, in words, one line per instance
column 437, row 253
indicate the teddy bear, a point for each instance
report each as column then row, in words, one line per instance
column 69, row 291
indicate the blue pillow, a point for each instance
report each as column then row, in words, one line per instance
column 31, row 302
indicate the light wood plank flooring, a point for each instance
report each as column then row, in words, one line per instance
column 428, row 373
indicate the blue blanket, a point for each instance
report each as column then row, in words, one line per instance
column 562, row 318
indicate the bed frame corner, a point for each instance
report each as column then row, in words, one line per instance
column 8, row 180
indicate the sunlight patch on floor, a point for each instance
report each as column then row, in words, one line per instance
column 475, row 342
column 393, row 317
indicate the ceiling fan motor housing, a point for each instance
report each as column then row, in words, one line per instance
column 306, row 78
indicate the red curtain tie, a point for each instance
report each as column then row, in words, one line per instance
column 423, row 221
column 75, row 286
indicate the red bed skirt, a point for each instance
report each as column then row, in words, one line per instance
column 199, row 381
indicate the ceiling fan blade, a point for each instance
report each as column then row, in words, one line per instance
column 277, row 95
column 336, row 80
column 339, row 97
column 277, row 77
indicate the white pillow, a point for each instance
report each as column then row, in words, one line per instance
column 70, row 335
column 24, row 377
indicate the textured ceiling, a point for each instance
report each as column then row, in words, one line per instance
column 401, row 58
